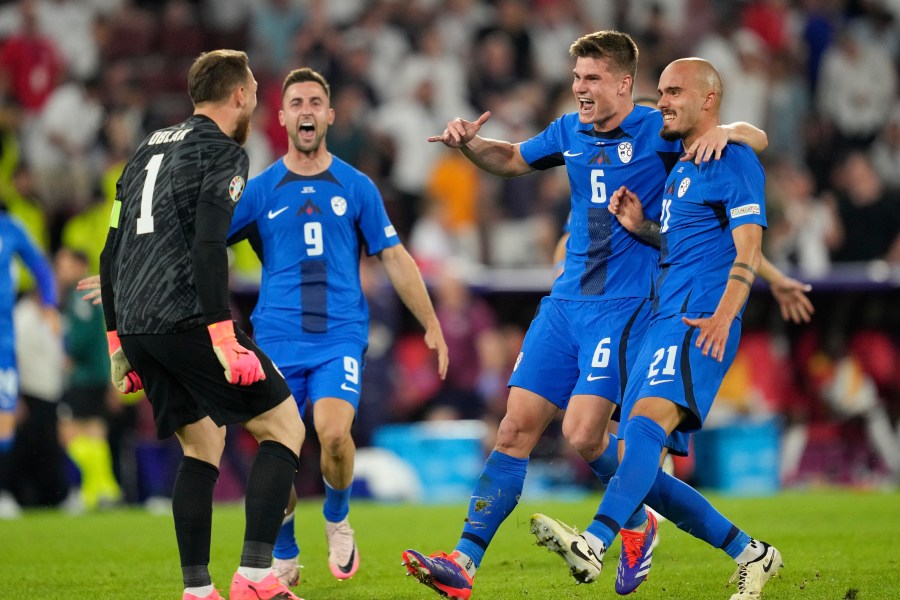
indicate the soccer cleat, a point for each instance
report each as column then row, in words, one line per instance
column 637, row 553
column 343, row 557
column 213, row 595
column 267, row 589
column 9, row 507
column 584, row 564
column 752, row 576
column 440, row 572
column 286, row 570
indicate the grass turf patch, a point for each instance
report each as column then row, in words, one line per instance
column 836, row 544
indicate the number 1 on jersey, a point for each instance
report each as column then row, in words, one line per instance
column 145, row 220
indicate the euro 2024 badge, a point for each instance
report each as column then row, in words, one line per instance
column 236, row 188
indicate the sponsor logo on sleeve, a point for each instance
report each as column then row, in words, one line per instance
column 743, row 211
column 236, row 188
column 389, row 231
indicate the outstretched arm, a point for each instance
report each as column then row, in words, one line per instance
column 401, row 269
column 494, row 156
column 788, row 292
column 711, row 143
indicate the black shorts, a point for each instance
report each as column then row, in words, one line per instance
column 185, row 382
column 86, row 401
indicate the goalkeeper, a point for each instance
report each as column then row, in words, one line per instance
column 164, row 275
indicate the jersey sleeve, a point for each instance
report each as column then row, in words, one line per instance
column 246, row 211
column 374, row 224
column 38, row 264
column 738, row 181
column 544, row 151
column 222, row 188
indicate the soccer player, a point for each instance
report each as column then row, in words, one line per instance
column 579, row 347
column 163, row 273
column 14, row 241
column 713, row 216
column 307, row 216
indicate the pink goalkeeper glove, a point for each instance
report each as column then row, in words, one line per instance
column 124, row 376
column 241, row 365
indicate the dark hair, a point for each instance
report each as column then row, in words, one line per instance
column 215, row 74
column 305, row 74
column 616, row 47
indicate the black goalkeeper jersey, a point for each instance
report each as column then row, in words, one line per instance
column 164, row 267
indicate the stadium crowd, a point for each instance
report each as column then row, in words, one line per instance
column 82, row 82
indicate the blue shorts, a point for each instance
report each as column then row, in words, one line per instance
column 670, row 366
column 581, row 347
column 9, row 380
column 335, row 372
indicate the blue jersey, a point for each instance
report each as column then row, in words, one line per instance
column 14, row 241
column 307, row 232
column 603, row 260
column 700, row 207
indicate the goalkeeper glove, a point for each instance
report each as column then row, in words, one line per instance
column 124, row 376
column 241, row 365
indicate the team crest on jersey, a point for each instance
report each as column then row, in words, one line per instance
column 236, row 188
column 518, row 360
column 309, row 208
column 338, row 205
column 683, row 188
column 625, row 152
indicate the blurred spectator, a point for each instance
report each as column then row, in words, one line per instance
column 747, row 84
column 856, row 88
column 511, row 23
column 555, row 24
column 70, row 23
column 60, row 147
column 804, row 228
column 885, row 152
column 30, row 63
column 272, row 30
column 38, row 460
column 468, row 322
column 404, row 123
column 870, row 220
column 84, row 411
column 787, row 106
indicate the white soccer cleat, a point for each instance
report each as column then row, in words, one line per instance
column 286, row 570
column 752, row 576
column 9, row 507
column 584, row 564
column 343, row 557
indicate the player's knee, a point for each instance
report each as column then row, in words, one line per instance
column 586, row 442
column 516, row 436
column 333, row 439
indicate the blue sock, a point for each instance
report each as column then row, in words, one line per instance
column 604, row 467
column 495, row 496
column 286, row 542
column 644, row 441
column 691, row 512
column 337, row 503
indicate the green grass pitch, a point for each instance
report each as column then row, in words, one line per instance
column 837, row 544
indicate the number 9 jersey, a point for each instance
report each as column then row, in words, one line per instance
column 308, row 231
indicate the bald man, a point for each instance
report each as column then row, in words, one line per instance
column 710, row 232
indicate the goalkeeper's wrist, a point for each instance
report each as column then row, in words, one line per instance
column 112, row 339
column 221, row 331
